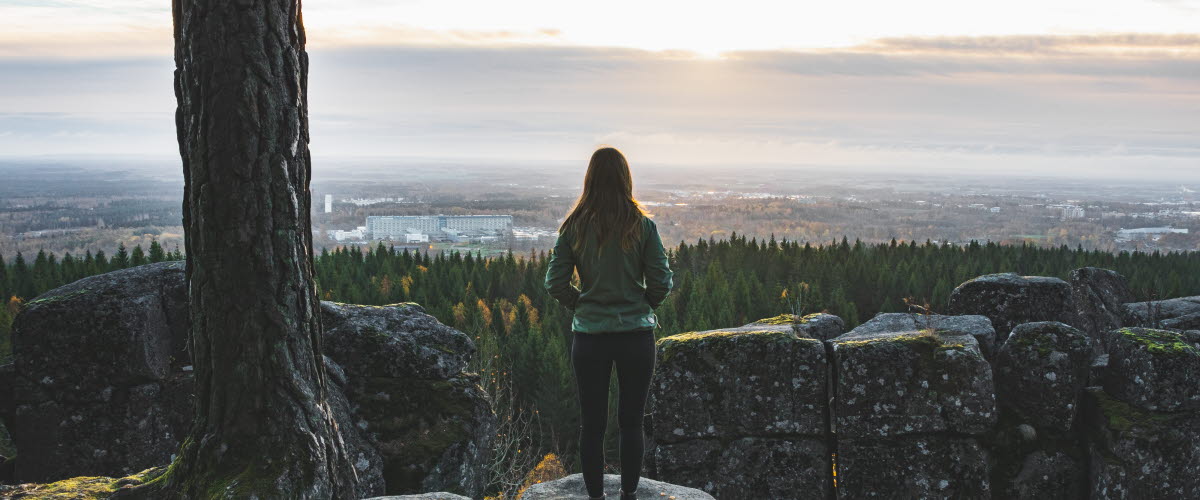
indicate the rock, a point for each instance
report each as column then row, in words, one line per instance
column 893, row 383
column 820, row 326
column 102, row 386
column 782, row 468
column 423, row 496
column 742, row 410
column 906, row 405
column 1175, row 314
column 95, row 360
column 976, row 326
column 1009, row 300
column 1041, row 371
column 362, row 339
column 914, row 466
column 758, row 380
column 364, row 452
column 571, row 487
column 1048, row 474
column 1099, row 296
column 1153, row 369
column 1137, row 453
column 406, row 375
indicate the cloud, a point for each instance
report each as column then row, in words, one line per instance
column 1036, row 102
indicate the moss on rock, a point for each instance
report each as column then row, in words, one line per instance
column 1159, row 341
column 84, row 487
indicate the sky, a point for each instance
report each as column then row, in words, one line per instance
column 1064, row 87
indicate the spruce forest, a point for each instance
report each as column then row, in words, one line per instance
column 523, row 337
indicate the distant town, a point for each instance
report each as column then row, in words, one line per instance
column 491, row 211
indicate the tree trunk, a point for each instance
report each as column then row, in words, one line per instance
column 263, row 428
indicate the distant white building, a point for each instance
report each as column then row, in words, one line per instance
column 1072, row 212
column 1147, row 233
column 994, row 210
column 355, row 235
column 328, row 203
column 439, row 227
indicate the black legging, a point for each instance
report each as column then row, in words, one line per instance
column 592, row 358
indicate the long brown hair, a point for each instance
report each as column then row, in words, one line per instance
column 606, row 206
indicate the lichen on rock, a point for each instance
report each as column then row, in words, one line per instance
column 1153, row 369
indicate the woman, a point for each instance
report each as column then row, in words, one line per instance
column 623, row 277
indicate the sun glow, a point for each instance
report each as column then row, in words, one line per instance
column 698, row 28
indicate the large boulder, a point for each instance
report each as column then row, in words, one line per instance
column 571, row 488
column 102, row 383
column 907, row 408
column 103, row 386
column 1009, row 299
column 1041, row 372
column 757, row 380
column 427, row 417
column 895, row 383
column 1181, row 313
column 741, row 411
column 1099, row 296
column 1153, row 369
column 1136, row 453
column 979, row 327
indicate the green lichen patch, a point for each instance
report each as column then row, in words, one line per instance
column 1040, row 343
column 917, row 339
column 1123, row 417
column 1159, row 342
column 669, row 346
column 782, row 319
column 85, row 487
column 57, row 298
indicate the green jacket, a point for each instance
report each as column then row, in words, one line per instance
column 619, row 290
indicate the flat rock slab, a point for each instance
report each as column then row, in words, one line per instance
column 1153, row 369
column 423, row 496
column 894, row 383
column 1181, row 313
column 1009, row 299
column 979, row 327
column 571, row 488
column 759, row 380
column 912, row 467
column 749, row 468
column 820, row 326
column 1041, row 372
column 1137, row 453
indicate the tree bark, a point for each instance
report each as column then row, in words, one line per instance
column 262, row 427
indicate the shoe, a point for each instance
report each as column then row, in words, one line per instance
column 628, row 496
